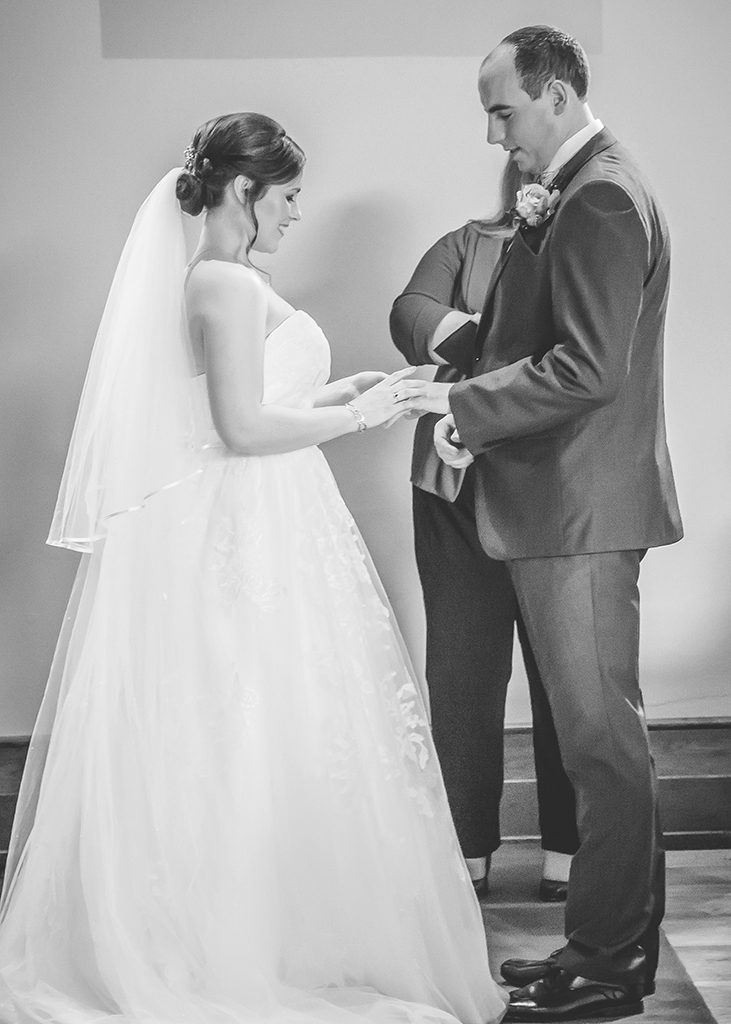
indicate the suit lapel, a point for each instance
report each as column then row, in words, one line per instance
column 597, row 144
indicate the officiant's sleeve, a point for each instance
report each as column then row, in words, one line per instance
column 427, row 298
column 599, row 262
column 452, row 274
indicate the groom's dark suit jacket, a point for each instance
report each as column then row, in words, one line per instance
column 564, row 412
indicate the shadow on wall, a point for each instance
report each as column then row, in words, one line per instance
column 39, row 394
column 356, row 254
column 353, row 251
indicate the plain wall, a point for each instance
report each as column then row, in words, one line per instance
column 396, row 157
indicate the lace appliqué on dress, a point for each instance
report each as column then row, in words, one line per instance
column 240, row 567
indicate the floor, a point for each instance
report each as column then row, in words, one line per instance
column 698, row 923
column 694, row 978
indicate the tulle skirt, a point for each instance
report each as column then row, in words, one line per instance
column 232, row 809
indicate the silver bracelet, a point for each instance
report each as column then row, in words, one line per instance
column 359, row 417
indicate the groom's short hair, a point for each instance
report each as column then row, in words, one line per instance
column 543, row 54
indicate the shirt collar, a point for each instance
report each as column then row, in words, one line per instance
column 570, row 148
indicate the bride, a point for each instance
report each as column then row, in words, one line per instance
column 232, row 811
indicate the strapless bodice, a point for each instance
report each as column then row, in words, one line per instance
column 296, row 365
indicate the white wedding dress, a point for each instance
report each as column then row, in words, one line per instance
column 241, row 817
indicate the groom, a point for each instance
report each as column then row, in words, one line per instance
column 563, row 418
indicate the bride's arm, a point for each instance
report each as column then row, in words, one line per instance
column 227, row 303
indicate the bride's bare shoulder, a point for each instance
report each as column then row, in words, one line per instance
column 224, row 274
column 214, row 286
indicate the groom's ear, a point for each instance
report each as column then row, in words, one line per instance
column 558, row 95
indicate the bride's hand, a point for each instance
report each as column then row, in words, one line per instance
column 379, row 404
column 366, row 379
column 416, row 397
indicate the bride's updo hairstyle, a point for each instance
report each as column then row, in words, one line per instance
column 250, row 144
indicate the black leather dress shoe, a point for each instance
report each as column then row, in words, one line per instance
column 560, row 996
column 523, row 972
column 551, row 891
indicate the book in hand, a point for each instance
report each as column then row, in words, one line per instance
column 458, row 348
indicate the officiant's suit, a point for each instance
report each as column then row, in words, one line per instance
column 573, row 483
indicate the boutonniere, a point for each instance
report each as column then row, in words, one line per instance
column 534, row 204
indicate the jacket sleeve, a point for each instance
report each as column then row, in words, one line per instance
column 599, row 261
column 427, row 298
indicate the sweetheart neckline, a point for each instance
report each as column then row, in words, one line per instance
column 283, row 322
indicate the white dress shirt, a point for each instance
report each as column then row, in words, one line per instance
column 570, row 148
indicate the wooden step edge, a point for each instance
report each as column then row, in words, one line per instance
column 654, row 725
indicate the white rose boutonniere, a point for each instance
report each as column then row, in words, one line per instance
column 534, row 204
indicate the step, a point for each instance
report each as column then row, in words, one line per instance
column 693, row 760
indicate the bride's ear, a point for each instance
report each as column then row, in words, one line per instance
column 241, row 186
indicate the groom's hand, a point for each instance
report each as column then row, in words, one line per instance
column 449, row 448
column 417, row 396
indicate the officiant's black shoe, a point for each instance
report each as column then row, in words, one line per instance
column 481, row 887
column 551, row 891
column 560, row 996
column 522, row 972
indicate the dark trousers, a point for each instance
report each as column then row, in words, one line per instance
column 581, row 614
column 471, row 613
